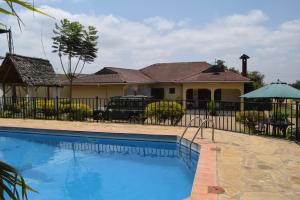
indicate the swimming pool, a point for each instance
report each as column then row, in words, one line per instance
column 99, row 166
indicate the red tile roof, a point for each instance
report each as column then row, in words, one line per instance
column 132, row 75
column 181, row 72
column 226, row 76
column 173, row 72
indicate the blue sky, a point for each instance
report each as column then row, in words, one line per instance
column 197, row 11
column 136, row 33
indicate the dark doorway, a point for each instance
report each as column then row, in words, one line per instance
column 158, row 93
column 204, row 96
column 189, row 94
column 189, row 99
column 218, row 95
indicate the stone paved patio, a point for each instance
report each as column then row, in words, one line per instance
column 248, row 167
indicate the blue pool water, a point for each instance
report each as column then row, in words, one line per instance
column 63, row 167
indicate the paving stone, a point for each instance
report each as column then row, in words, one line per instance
column 262, row 196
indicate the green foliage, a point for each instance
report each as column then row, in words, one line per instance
column 296, row 84
column 76, row 111
column 10, row 183
column 75, row 41
column 11, row 10
column 165, row 110
column 212, row 107
column 257, row 79
column 221, row 64
column 6, row 114
column 250, row 118
column 45, row 106
column 279, row 116
column 13, row 108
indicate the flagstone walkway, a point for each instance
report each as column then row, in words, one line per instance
column 248, row 167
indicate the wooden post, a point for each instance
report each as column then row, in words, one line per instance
column 297, row 121
column 4, row 95
column 48, row 92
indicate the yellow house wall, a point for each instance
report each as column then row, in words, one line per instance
column 230, row 95
column 166, row 86
column 87, row 91
column 22, row 92
column 229, row 90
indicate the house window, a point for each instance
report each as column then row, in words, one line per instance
column 171, row 90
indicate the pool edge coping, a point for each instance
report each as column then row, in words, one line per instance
column 205, row 175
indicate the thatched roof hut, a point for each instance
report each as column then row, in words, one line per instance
column 27, row 71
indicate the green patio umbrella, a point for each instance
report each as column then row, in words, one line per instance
column 275, row 90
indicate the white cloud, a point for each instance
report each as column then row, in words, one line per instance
column 135, row 44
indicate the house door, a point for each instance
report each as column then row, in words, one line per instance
column 204, row 96
column 158, row 93
column 218, row 95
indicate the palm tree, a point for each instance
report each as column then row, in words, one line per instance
column 12, row 184
column 10, row 8
column 10, row 181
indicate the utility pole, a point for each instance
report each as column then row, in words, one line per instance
column 8, row 31
column 10, row 50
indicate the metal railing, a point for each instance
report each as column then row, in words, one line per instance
column 188, row 126
column 249, row 117
column 201, row 128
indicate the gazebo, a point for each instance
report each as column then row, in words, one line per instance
column 28, row 77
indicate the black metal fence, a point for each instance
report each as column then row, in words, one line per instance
column 267, row 118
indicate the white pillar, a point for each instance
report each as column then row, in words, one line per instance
column 212, row 94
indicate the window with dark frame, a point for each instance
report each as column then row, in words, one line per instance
column 171, row 90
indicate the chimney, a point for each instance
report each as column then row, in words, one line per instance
column 244, row 59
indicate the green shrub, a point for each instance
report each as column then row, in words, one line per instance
column 12, row 108
column 6, row 114
column 165, row 110
column 212, row 108
column 47, row 107
column 279, row 116
column 250, row 118
column 78, row 112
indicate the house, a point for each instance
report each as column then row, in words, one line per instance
column 23, row 76
column 181, row 80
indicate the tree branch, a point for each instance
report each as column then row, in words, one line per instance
column 62, row 65
column 81, row 68
column 74, row 72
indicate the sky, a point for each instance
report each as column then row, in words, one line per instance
column 135, row 33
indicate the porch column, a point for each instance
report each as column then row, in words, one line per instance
column 30, row 91
column 3, row 90
column 242, row 100
column 184, row 97
column 56, row 95
column 212, row 94
column 56, row 92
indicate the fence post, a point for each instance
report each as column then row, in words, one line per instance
column 34, row 107
column 57, row 107
column 297, row 122
column 96, row 109
column 24, row 107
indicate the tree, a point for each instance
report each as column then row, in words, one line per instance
column 296, row 84
column 77, row 43
column 10, row 178
column 221, row 64
column 10, row 8
column 257, row 79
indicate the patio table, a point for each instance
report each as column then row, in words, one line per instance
column 278, row 126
